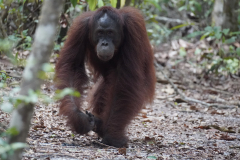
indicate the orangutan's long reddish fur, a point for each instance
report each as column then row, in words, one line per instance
column 124, row 84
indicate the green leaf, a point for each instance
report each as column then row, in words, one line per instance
column 33, row 97
column 100, row 3
column 74, row 2
column 2, row 85
column 12, row 131
column 29, row 39
column 216, row 29
column 198, row 6
column 197, row 51
column 106, row 2
column 225, row 31
column 2, row 142
column 46, row 99
column 181, row 25
column 7, row 107
column 92, row 4
column 25, row 32
column 182, row 52
column 114, row 3
column 234, row 33
column 231, row 40
column 47, row 67
column 18, row 145
column 208, row 28
column 155, row 4
column 67, row 91
column 223, row 39
column 151, row 157
column 182, row 8
column 218, row 35
column 3, row 76
column 195, row 34
column 238, row 51
column 12, row 147
column 205, row 35
column 122, row 3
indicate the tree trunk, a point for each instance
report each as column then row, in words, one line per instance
column 42, row 47
column 225, row 14
column 127, row 3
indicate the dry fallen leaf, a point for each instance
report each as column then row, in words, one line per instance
column 168, row 90
column 122, row 151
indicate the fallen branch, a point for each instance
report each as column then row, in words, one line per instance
column 219, row 91
column 103, row 145
column 220, row 100
column 187, row 99
column 166, row 19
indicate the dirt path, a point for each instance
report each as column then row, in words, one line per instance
column 167, row 129
column 164, row 130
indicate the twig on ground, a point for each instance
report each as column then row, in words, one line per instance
column 220, row 100
column 219, row 91
column 102, row 144
column 51, row 155
column 166, row 19
column 187, row 99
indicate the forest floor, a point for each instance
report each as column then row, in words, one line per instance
column 169, row 128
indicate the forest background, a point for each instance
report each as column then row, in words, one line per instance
column 194, row 39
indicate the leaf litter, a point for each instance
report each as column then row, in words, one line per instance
column 169, row 128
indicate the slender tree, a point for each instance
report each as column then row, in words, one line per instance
column 225, row 14
column 42, row 47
